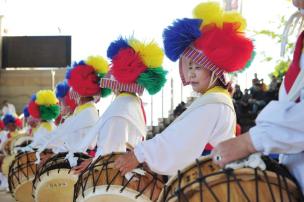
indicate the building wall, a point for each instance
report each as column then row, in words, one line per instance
column 17, row 86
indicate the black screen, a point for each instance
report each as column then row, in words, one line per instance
column 36, row 51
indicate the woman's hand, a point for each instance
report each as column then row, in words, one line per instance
column 83, row 165
column 232, row 150
column 126, row 163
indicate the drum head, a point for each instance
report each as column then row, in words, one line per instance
column 54, row 180
column 24, row 190
column 55, row 186
column 113, row 194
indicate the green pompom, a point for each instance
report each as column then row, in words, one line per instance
column 153, row 79
column 105, row 92
column 48, row 113
column 100, row 75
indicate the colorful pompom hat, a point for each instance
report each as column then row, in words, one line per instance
column 67, row 104
column 214, row 38
column 84, row 78
column 44, row 105
column 9, row 118
column 135, row 66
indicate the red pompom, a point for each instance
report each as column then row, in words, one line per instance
column 2, row 126
column 58, row 120
column 70, row 102
column 18, row 123
column 84, row 80
column 34, row 110
column 127, row 66
column 225, row 47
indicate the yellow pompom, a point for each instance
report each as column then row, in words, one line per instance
column 209, row 12
column 136, row 44
column 233, row 16
column 98, row 63
column 46, row 97
column 151, row 54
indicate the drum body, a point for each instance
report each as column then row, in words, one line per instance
column 54, row 180
column 21, row 174
column 196, row 183
column 103, row 182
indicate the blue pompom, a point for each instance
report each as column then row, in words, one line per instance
column 26, row 112
column 68, row 72
column 33, row 97
column 115, row 46
column 8, row 118
column 62, row 89
column 179, row 36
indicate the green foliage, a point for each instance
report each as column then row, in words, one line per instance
column 280, row 69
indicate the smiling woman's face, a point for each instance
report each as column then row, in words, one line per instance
column 198, row 76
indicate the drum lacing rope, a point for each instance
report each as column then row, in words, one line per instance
column 147, row 185
column 256, row 181
column 269, row 186
column 230, row 172
column 280, row 186
column 20, row 167
column 287, row 188
column 200, row 174
column 179, row 191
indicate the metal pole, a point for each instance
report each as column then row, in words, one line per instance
column 151, row 110
column 53, row 79
column 1, row 17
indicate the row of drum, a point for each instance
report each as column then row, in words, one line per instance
column 53, row 181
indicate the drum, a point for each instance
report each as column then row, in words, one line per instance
column 101, row 181
column 196, row 183
column 21, row 174
column 20, row 141
column 54, row 180
column 11, row 150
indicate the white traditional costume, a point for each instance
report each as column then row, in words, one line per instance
column 279, row 126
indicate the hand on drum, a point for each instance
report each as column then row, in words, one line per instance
column 83, row 165
column 126, row 163
column 232, row 150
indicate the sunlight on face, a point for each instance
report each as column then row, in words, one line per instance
column 198, row 76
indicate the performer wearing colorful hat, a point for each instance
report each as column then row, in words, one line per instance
column 67, row 104
column 135, row 66
column 12, row 124
column 43, row 107
column 279, row 126
column 32, row 122
column 208, row 46
column 84, row 88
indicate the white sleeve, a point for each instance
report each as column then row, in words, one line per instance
column 182, row 142
column 280, row 128
column 113, row 136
